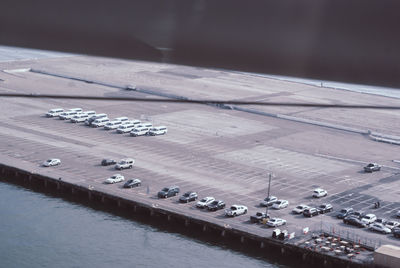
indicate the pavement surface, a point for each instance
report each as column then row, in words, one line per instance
column 227, row 154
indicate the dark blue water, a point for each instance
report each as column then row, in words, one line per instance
column 39, row 230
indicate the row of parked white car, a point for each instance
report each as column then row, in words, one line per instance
column 120, row 124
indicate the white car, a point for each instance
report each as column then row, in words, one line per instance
column 300, row 208
column 204, row 202
column 54, row 112
column 377, row 227
column 368, row 219
column 392, row 224
column 269, row 201
column 115, row 178
column 67, row 115
column 112, row 125
column 79, row 118
column 235, row 210
column 274, row 222
column 51, row 162
column 139, row 131
column 280, row 204
column 161, row 130
column 319, row 192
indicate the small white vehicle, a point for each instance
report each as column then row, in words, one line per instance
column 54, row 112
column 139, row 131
column 51, row 162
column 125, row 128
column 368, row 219
column 90, row 113
column 269, row 201
column 114, row 179
column 392, row 224
column 79, row 118
column 90, row 120
column 319, row 192
column 125, row 163
column 235, row 210
column 377, row 227
column 122, row 119
column 100, row 122
column 275, row 222
column 161, row 130
column 67, row 115
column 280, row 204
column 300, row 209
column 112, row 125
column 204, row 202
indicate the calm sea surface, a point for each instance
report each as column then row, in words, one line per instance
column 39, row 230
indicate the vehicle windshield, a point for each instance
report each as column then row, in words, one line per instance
column 113, row 177
column 164, row 190
column 258, row 214
column 214, row 203
column 233, row 208
column 299, row 207
column 48, row 161
column 122, row 162
column 186, row 194
column 129, row 181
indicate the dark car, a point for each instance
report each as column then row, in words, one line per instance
column 259, row 217
column 310, row 212
column 215, row 205
column 372, row 167
column 325, row 208
column 108, row 162
column 132, row 183
column 344, row 212
column 354, row 221
column 396, row 232
column 168, row 192
column 358, row 214
column 188, row 196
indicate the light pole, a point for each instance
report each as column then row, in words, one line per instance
column 269, row 187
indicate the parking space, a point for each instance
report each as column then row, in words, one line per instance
column 222, row 153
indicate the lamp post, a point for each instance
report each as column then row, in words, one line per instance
column 269, row 187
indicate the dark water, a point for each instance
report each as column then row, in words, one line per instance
column 40, row 230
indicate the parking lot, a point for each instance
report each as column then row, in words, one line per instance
column 226, row 154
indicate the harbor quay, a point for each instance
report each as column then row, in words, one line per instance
column 228, row 153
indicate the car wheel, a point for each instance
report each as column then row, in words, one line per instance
column 245, row 211
column 234, row 214
column 130, row 166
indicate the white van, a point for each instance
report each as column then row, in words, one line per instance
column 100, row 122
column 90, row 113
column 145, row 124
column 90, row 120
column 125, row 128
column 161, row 130
column 79, row 118
column 54, row 112
column 139, row 131
column 79, row 110
column 112, row 125
column 67, row 115
column 122, row 119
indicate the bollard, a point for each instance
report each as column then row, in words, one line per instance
column 134, row 208
column 186, row 222
column 223, row 233
column 282, row 251
column 90, row 195
column 103, row 199
column 204, row 228
column 242, row 239
column 169, row 217
column 262, row 245
column 151, row 212
column 45, row 183
column 58, row 186
column 119, row 203
column 30, row 178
